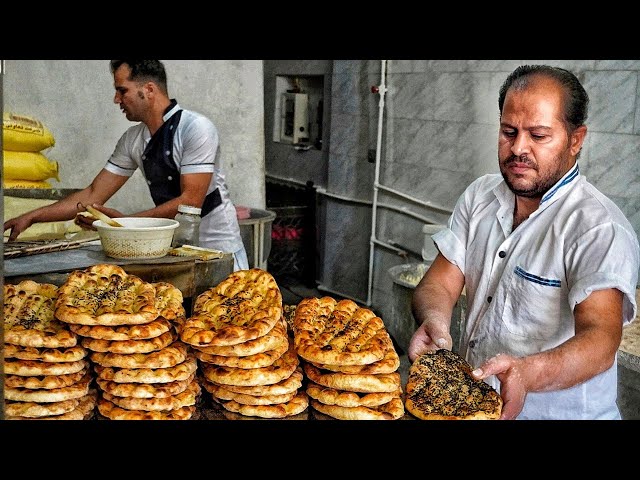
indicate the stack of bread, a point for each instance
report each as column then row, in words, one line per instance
column 349, row 360
column 131, row 327
column 47, row 374
column 247, row 360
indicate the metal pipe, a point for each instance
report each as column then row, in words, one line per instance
column 415, row 200
column 382, row 90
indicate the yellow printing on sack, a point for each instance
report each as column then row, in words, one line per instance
column 28, row 166
column 21, row 133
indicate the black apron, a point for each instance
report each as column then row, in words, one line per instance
column 163, row 177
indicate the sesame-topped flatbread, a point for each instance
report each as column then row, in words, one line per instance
column 37, row 368
column 338, row 332
column 179, row 372
column 258, row 360
column 29, row 317
column 352, row 382
column 145, row 390
column 392, row 410
column 296, row 405
column 76, row 390
column 105, row 294
column 45, row 381
column 185, row 398
column 112, row 411
column 244, row 306
column 167, row 357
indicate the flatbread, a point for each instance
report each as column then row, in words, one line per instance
column 105, row 294
column 62, row 354
column 29, row 317
column 34, row 409
column 274, row 339
column 145, row 390
column 343, row 398
column 221, row 393
column 45, row 381
column 389, row 364
column 338, row 332
column 169, row 301
column 440, row 387
column 76, row 390
column 153, row 329
column 179, row 372
column 364, row 383
column 110, row 410
column 83, row 411
column 287, row 385
column 393, row 410
column 244, row 306
column 185, row 398
column 37, row 368
column 167, row 357
column 258, row 360
column 131, row 346
column 296, row 405
column 279, row 370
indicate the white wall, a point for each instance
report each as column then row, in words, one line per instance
column 74, row 100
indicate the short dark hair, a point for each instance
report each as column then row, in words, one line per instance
column 144, row 71
column 576, row 100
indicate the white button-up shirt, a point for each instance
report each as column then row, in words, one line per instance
column 522, row 286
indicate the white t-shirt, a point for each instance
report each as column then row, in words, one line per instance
column 196, row 149
column 522, row 286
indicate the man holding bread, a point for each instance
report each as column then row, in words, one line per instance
column 549, row 263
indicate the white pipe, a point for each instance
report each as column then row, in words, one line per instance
column 382, row 90
column 415, row 200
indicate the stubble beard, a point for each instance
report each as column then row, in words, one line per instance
column 540, row 185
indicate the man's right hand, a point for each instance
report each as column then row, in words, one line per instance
column 428, row 337
column 17, row 225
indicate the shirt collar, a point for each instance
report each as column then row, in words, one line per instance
column 170, row 110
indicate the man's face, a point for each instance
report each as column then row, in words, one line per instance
column 534, row 148
column 129, row 95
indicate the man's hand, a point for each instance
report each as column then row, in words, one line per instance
column 85, row 220
column 17, row 225
column 513, row 389
column 431, row 335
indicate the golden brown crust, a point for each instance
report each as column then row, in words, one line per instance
column 105, row 294
column 363, row 383
column 258, row 360
column 167, row 357
column 282, row 368
column 29, row 317
column 221, row 393
column 440, row 387
column 37, row 368
column 169, row 300
column 287, row 385
column 76, row 390
column 83, row 411
column 131, row 346
column 389, row 364
column 244, row 306
column 145, row 390
column 45, row 381
column 62, row 354
column 110, row 410
column 338, row 332
column 145, row 331
column 296, row 405
column 185, row 398
column 179, row 372
column 34, row 409
column 275, row 338
column 392, row 410
column 344, row 398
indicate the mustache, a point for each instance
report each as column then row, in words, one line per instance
column 520, row 159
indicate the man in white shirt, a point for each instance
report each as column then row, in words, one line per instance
column 549, row 264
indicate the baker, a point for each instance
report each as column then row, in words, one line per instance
column 177, row 151
column 549, row 263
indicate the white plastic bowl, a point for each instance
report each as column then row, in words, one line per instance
column 138, row 238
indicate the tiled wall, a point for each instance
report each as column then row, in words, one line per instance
column 440, row 125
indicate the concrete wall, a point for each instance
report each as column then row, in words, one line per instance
column 74, row 100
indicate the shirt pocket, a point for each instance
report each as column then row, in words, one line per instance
column 533, row 304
